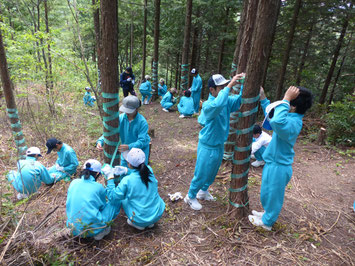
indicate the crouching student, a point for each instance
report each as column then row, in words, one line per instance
column 168, row 100
column 186, row 105
column 88, row 212
column 216, row 113
column 277, row 172
column 162, row 88
column 133, row 129
column 29, row 175
column 88, row 99
column 261, row 140
column 146, row 90
column 138, row 191
column 67, row 162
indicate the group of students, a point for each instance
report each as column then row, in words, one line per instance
column 91, row 207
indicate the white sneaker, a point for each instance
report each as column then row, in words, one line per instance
column 205, row 195
column 256, row 213
column 252, row 156
column 165, row 110
column 258, row 163
column 21, row 196
column 133, row 225
column 103, row 233
column 150, row 226
column 193, row 203
column 256, row 220
column 181, row 116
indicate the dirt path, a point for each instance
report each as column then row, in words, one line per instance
column 316, row 225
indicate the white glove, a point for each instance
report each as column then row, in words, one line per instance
column 59, row 168
column 190, row 89
column 107, row 170
column 129, row 79
column 120, row 170
column 133, row 81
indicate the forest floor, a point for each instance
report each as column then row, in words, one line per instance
column 316, row 225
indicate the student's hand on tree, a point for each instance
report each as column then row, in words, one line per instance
column 107, row 170
column 233, row 82
column 262, row 93
column 99, row 147
column 291, row 93
column 123, row 147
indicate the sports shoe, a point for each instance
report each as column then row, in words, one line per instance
column 252, row 156
column 256, row 220
column 150, row 226
column 146, row 102
column 165, row 110
column 103, row 233
column 205, row 195
column 194, row 204
column 258, row 163
column 256, row 213
column 181, row 116
column 21, row 196
column 133, row 225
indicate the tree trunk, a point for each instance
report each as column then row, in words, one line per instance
column 268, row 52
column 266, row 14
column 221, row 50
column 331, row 96
column 334, row 61
column 144, row 38
column 49, row 81
column 131, row 46
column 177, row 69
column 286, row 56
column 239, row 38
column 304, row 54
column 10, row 102
column 96, row 17
column 109, row 77
column 248, row 29
column 155, row 63
column 194, row 52
column 186, row 47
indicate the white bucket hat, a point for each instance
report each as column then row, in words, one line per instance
column 92, row 165
column 135, row 157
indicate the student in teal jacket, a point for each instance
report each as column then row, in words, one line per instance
column 29, row 175
column 88, row 212
column 162, row 88
column 196, row 88
column 216, row 112
column 186, row 105
column 146, row 90
column 168, row 100
column 133, row 129
column 66, row 163
column 279, row 154
column 138, row 191
column 88, row 99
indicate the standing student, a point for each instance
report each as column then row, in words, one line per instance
column 196, row 88
column 66, row 163
column 29, row 175
column 277, row 172
column 88, row 212
column 127, row 80
column 168, row 100
column 186, row 105
column 133, row 129
column 261, row 140
column 138, row 191
column 162, row 88
column 146, row 90
column 216, row 112
column 88, row 99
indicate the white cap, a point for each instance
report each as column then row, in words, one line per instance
column 33, row 151
column 135, row 157
column 219, row 80
column 147, row 77
column 161, row 80
column 193, row 71
column 92, row 165
column 269, row 110
column 130, row 104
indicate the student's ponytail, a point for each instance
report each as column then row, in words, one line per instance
column 144, row 172
column 87, row 173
